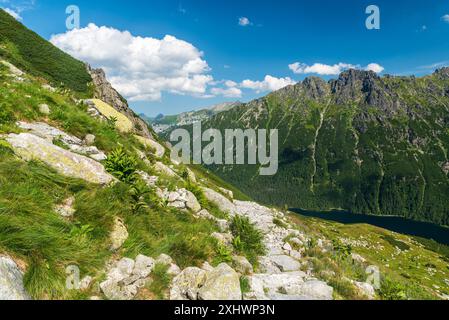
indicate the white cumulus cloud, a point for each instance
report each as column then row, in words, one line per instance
column 445, row 18
column 270, row 83
column 377, row 68
column 140, row 68
column 327, row 70
column 13, row 13
column 230, row 92
column 244, row 21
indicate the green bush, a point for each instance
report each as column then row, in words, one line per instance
column 247, row 239
column 391, row 290
column 121, row 165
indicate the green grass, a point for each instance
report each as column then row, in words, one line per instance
column 247, row 239
column 31, row 231
column 160, row 281
column 33, row 54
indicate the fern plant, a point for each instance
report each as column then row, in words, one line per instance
column 138, row 191
column 121, row 165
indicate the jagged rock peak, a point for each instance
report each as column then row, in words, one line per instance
column 443, row 72
column 104, row 91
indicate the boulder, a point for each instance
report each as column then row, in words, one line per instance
column 121, row 283
column 149, row 180
column 118, row 235
column 227, row 192
column 173, row 270
column 366, row 289
column 44, row 109
column 222, row 224
column 89, row 139
column 143, row 266
column 220, row 201
column 223, row 283
column 11, row 281
column 223, row 238
column 164, row 259
column 30, row 147
column 192, row 203
column 159, row 150
column 264, row 285
column 242, row 265
column 163, row 169
column 314, row 290
column 185, row 286
column 285, row 263
column 204, row 214
column 66, row 209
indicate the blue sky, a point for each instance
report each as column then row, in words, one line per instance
column 217, row 54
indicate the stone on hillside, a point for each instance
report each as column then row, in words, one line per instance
column 267, row 266
column 295, row 254
column 223, row 238
column 89, row 139
column 219, row 200
column 173, row 270
column 285, row 263
column 11, row 281
column 264, row 285
column 85, row 282
column 164, row 259
column 366, row 289
column 118, row 235
column 44, row 109
column 223, row 283
column 287, row 247
column 30, row 147
column 159, row 150
column 185, row 286
column 192, row 203
column 227, row 192
column 177, row 204
column 48, row 88
column 66, row 209
column 204, row 214
column 242, row 265
column 358, row 258
column 315, row 290
column 222, row 224
column 149, row 180
column 206, row 266
column 143, row 266
column 296, row 242
column 163, row 169
column 73, row 143
column 12, row 68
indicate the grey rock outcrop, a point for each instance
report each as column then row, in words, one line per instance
column 105, row 92
column 11, row 281
column 31, row 147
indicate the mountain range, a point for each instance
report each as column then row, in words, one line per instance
column 361, row 142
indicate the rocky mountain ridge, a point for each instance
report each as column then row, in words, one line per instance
column 357, row 142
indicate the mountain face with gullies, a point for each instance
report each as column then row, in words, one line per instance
column 363, row 143
column 88, row 192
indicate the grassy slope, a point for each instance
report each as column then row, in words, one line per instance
column 29, row 52
column 43, row 242
column 410, row 268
